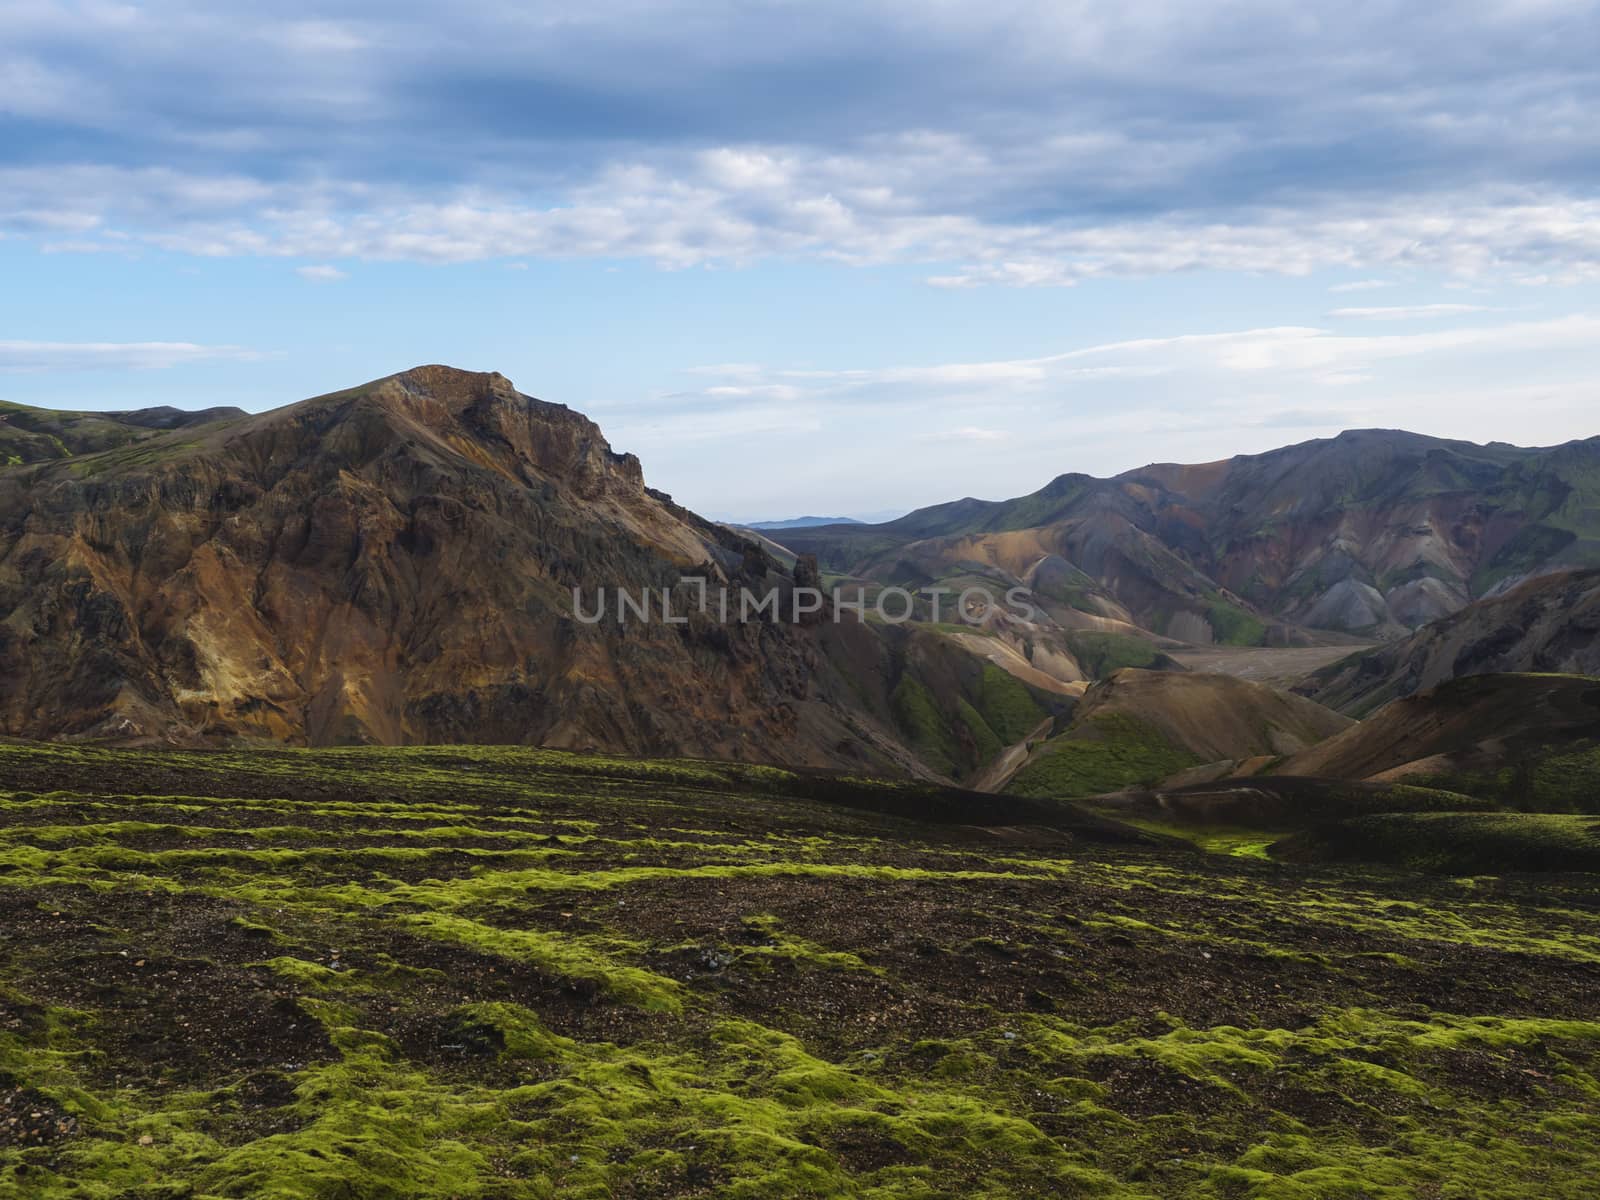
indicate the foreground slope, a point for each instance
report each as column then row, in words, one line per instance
column 509, row 974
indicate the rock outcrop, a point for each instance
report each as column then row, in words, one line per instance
column 395, row 564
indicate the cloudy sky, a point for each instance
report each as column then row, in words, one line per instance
column 821, row 257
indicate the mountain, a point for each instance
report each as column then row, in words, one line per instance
column 1550, row 623
column 1483, row 774
column 1373, row 532
column 395, row 563
column 800, row 522
column 1145, row 727
column 1524, row 741
column 33, row 435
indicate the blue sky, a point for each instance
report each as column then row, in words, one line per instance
column 841, row 258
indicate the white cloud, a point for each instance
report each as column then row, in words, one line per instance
column 317, row 37
column 1301, row 354
column 321, row 273
column 966, row 433
column 127, row 356
column 742, row 206
column 1362, row 285
column 1063, row 143
column 925, row 433
column 1408, row 312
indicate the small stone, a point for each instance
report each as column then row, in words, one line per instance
column 147, row 1140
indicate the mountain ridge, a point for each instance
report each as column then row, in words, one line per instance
column 394, row 563
column 1373, row 531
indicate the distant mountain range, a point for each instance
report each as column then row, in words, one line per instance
column 800, row 523
column 35, row 435
column 1372, row 533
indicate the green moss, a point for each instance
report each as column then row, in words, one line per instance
column 986, row 743
column 1459, row 843
column 1564, row 782
column 488, row 945
column 1232, row 626
column 1107, row 753
column 1103, row 654
column 924, row 725
column 1007, row 705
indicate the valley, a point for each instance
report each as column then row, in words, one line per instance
column 1280, row 666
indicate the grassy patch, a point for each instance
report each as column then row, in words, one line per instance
column 1232, row 626
column 1006, row 705
column 1459, row 843
column 1107, row 753
column 1102, row 654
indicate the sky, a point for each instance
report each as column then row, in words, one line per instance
column 820, row 258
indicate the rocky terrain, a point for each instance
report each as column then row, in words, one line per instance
column 395, row 564
column 1190, row 934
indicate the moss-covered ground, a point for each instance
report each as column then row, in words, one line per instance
column 503, row 974
column 1464, row 843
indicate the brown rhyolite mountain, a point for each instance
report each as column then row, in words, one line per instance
column 1514, row 736
column 1373, row 532
column 395, row 564
column 1548, row 624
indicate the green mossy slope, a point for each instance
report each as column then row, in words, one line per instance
column 508, row 974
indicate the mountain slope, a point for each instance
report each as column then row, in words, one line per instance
column 1525, row 741
column 1550, row 623
column 31, row 435
column 395, row 563
column 1374, row 531
column 1142, row 727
